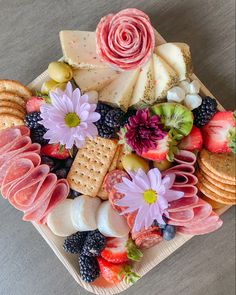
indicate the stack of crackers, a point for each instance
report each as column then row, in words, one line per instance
column 93, row 161
column 217, row 176
column 13, row 97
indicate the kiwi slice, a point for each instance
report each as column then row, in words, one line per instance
column 174, row 116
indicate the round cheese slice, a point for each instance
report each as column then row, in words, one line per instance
column 110, row 223
column 59, row 220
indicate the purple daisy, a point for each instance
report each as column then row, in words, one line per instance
column 149, row 194
column 69, row 118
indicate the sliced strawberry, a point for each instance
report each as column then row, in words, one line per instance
column 193, row 141
column 219, row 133
column 110, row 272
column 54, row 151
column 115, row 250
column 161, row 151
column 34, row 103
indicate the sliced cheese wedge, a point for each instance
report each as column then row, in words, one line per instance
column 144, row 90
column 178, row 56
column 94, row 79
column 165, row 77
column 118, row 93
column 79, row 49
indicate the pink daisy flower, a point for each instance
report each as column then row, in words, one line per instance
column 149, row 194
column 69, row 118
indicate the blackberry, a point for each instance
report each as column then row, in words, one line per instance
column 94, row 244
column 74, row 194
column 61, row 173
column 37, row 134
column 103, row 109
column 89, row 269
column 31, row 120
column 74, row 243
column 204, row 113
column 48, row 161
column 125, row 118
column 113, row 118
column 104, row 130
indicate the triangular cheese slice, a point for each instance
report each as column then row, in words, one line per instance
column 94, row 79
column 79, row 49
column 144, row 90
column 165, row 77
column 178, row 56
column 119, row 92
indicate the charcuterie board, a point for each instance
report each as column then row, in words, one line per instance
column 150, row 259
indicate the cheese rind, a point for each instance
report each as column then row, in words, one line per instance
column 93, row 79
column 119, row 92
column 144, row 90
column 178, row 56
column 79, row 49
column 165, row 77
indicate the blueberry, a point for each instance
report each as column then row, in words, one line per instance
column 61, row 173
column 162, row 226
column 74, row 194
column 169, row 232
column 68, row 162
column 48, row 161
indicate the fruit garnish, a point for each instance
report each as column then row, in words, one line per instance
column 54, row 151
column 94, row 244
column 174, row 116
column 193, row 141
column 120, row 250
column 122, row 141
column 132, row 162
column 34, row 103
column 59, row 71
column 115, row 273
column 160, row 152
column 169, row 232
column 32, row 120
column 143, row 131
column 89, row 268
column 219, row 134
column 205, row 111
column 74, row 243
column 149, row 194
column 69, row 118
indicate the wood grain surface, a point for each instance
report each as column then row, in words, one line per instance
column 28, row 42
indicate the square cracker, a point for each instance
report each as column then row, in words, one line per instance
column 91, row 165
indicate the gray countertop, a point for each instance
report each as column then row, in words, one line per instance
column 28, row 42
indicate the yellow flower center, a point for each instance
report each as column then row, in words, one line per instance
column 72, row 120
column 150, row 196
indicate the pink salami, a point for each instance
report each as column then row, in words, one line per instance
column 185, row 157
column 112, row 178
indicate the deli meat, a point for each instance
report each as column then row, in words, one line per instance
column 27, row 184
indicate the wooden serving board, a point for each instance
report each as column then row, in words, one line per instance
column 151, row 258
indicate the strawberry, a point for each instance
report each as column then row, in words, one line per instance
column 33, row 104
column 54, row 151
column 193, row 141
column 120, row 250
column 160, row 152
column 219, row 133
column 114, row 273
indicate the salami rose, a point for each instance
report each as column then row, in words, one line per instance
column 125, row 40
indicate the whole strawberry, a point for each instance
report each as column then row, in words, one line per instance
column 55, row 151
column 219, row 134
column 34, row 103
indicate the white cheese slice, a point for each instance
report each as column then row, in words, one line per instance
column 94, row 79
column 118, row 93
column 178, row 56
column 165, row 77
column 144, row 90
column 79, row 49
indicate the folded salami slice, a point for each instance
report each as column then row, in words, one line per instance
column 148, row 239
column 184, row 168
column 188, row 190
column 181, row 216
column 185, row 157
column 183, row 203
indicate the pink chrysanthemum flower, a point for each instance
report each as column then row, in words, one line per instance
column 149, row 194
column 69, row 118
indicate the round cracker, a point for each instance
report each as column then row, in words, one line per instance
column 12, row 105
column 212, row 175
column 9, row 96
column 227, row 187
column 213, row 188
column 7, row 120
column 10, row 111
column 222, row 165
column 15, row 87
column 213, row 195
